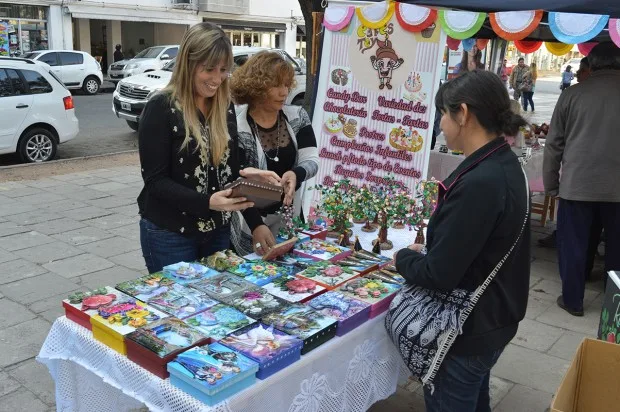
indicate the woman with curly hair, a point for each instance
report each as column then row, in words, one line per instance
column 274, row 137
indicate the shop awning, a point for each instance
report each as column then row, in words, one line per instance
column 248, row 25
column 103, row 12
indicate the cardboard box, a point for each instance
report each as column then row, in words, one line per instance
column 591, row 383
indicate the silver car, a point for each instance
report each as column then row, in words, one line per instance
column 148, row 60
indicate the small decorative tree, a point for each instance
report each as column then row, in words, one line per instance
column 359, row 202
column 427, row 192
column 337, row 203
column 288, row 230
column 394, row 201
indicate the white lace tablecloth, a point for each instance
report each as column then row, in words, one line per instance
column 348, row 373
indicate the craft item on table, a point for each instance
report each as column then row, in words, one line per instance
column 327, row 274
column 376, row 246
column 319, row 232
column 294, row 262
column 322, row 250
column 113, row 322
column 375, row 292
column 338, row 203
column 307, row 324
column 218, row 321
column 333, row 124
column 223, row 286
column 223, row 260
column 316, row 227
column 255, row 302
column 186, row 273
column 272, row 349
column 301, row 237
column 378, row 258
column 155, row 345
column 357, row 246
column 293, row 289
column 394, row 204
column 262, row 194
column 359, row 265
column 407, row 139
column 387, row 276
column 212, row 373
column 349, row 311
column 147, row 286
column 280, row 249
column 259, row 272
column 80, row 306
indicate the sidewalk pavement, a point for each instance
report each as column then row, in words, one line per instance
column 80, row 230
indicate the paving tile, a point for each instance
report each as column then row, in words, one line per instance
column 6, row 256
column 36, row 377
column 69, row 177
column 22, row 400
column 536, row 306
column 566, row 346
column 112, row 202
column 401, row 401
column 34, row 217
column 110, row 247
column 13, row 313
column 545, row 269
column 531, row 368
column 524, row 399
column 63, row 205
column 112, row 221
column 24, row 240
column 129, row 178
column 48, row 302
column 536, row 335
column 19, row 269
column 23, row 341
column 550, row 255
column 48, row 253
column 7, row 209
column 20, row 192
column 7, row 384
column 587, row 324
column 82, row 236
column 85, row 213
column 12, row 228
column 57, row 226
column 41, row 198
column 132, row 260
column 90, row 180
column 109, row 277
column 6, row 186
column 550, row 290
column 130, row 192
column 107, row 173
column 108, row 186
column 43, row 183
column 129, row 210
column 79, row 265
column 498, row 388
column 36, row 288
column 84, row 194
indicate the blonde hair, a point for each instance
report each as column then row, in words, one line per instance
column 533, row 71
column 252, row 81
column 204, row 44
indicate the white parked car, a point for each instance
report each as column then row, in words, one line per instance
column 37, row 110
column 76, row 69
column 132, row 94
column 148, row 60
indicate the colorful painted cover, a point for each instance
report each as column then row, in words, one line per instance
column 222, row 286
column 293, row 289
column 321, row 250
column 255, row 302
column 261, row 343
column 212, row 365
column 125, row 315
column 259, row 272
column 337, row 305
column 369, row 290
column 146, row 286
column 301, row 238
column 90, row 301
column 328, row 274
column 166, row 336
column 222, row 261
column 299, row 320
column 186, row 273
column 366, row 255
column 295, row 263
column 218, row 321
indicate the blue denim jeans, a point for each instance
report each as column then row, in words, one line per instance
column 462, row 384
column 160, row 247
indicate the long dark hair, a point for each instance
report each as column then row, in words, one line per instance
column 465, row 61
column 486, row 98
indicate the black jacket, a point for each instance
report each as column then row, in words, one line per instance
column 480, row 213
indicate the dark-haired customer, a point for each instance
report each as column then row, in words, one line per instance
column 480, row 214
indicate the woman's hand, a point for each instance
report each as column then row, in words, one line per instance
column 266, row 176
column 263, row 240
column 417, row 247
column 289, row 182
column 222, row 202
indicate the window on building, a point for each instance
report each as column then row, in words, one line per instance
column 49, row 58
column 16, row 82
column 36, row 82
column 71, row 59
column 5, row 84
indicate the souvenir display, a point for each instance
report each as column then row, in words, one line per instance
column 222, row 286
column 293, row 289
column 186, row 273
column 318, row 233
column 255, row 302
column 294, row 263
column 377, row 293
column 222, row 261
column 388, row 275
column 259, row 272
column 272, row 349
column 115, row 321
column 359, row 265
column 301, row 238
column 349, row 311
column 280, row 249
column 307, row 324
column 218, row 321
column 322, row 250
column 362, row 254
column 212, row 373
column 328, row 275
column 80, row 306
column 153, row 346
column 147, row 286
column 338, row 203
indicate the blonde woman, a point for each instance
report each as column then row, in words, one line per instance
column 528, row 86
column 188, row 148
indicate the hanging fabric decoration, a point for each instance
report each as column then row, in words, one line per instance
column 376, row 15
column 586, row 48
column 614, row 31
column 461, row 24
column 559, row 49
column 453, row 44
column 528, row 46
column 415, row 18
column 571, row 28
column 515, row 25
column 337, row 18
column 481, row 44
column 468, row 44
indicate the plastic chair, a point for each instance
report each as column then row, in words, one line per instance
column 546, row 210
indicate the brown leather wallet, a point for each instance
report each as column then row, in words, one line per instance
column 261, row 194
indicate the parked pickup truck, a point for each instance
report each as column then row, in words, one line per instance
column 132, row 93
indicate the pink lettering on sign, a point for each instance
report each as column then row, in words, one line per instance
column 383, row 117
column 381, row 180
column 352, row 159
column 349, row 111
column 350, row 144
column 351, row 174
column 371, row 134
column 344, row 95
column 358, row 98
column 409, row 172
column 386, row 152
column 417, row 123
column 330, row 155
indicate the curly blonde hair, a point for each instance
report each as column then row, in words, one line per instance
column 263, row 71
